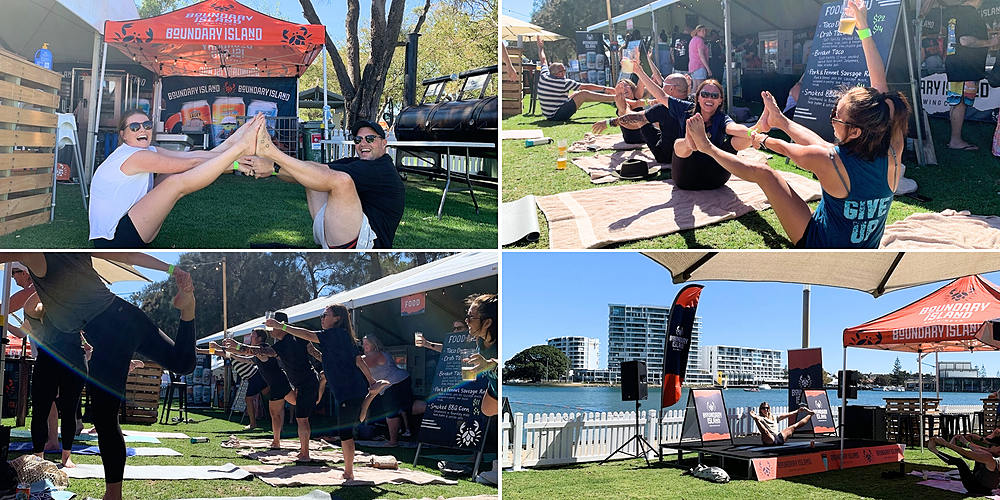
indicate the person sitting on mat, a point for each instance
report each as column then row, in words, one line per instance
column 984, row 476
column 690, row 168
column 768, row 424
column 857, row 174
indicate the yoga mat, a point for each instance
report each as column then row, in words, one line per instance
column 310, row 475
column 159, row 435
column 599, row 167
column 521, row 134
column 591, row 142
column 155, row 452
column 286, row 444
column 226, row 471
column 314, row 495
column 594, row 218
column 276, row 457
column 26, row 434
column 948, row 229
column 77, row 449
column 520, row 221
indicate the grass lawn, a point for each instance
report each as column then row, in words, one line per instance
column 212, row 424
column 961, row 181
column 237, row 212
column 631, row 479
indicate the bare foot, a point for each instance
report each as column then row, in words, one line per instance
column 67, row 462
column 696, row 131
column 690, row 142
column 772, row 113
column 275, row 445
column 184, row 300
column 303, row 458
column 264, row 145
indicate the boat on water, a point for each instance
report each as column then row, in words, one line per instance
column 752, row 389
column 764, row 387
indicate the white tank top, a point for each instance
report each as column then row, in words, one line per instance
column 112, row 192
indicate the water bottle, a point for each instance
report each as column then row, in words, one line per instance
column 43, row 57
column 951, row 37
column 535, row 142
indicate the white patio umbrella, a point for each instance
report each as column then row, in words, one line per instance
column 512, row 28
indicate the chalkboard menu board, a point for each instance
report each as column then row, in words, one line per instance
column 837, row 60
column 454, row 417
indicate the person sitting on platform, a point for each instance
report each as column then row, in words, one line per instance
column 768, row 424
column 985, row 475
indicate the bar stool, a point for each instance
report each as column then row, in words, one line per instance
column 176, row 383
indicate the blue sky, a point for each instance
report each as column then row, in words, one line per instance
column 518, row 9
column 331, row 12
column 552, row 294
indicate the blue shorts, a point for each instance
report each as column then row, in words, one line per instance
column 699, row 74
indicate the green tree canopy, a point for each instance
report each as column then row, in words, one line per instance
column 258, row 282
column 898, row 374
column 537, row 363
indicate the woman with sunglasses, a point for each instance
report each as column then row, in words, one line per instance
column 346, row 373
column 484, row 326
column 690, row 169
column 768, row 424
column 128, row 206
column 858, row 173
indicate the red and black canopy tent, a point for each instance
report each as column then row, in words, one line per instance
column 958, row 317
column 219, row 38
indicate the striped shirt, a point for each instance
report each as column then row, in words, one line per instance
column 552, row 91
column 246, row 370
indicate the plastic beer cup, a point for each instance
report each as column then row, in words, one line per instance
column 268, row 315
column 561, row 163
column 561, row 144
column 847, row 20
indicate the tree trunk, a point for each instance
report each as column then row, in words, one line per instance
column 363, row 89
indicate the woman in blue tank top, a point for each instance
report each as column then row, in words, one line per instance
column 858, row 174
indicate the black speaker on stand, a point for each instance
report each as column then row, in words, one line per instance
column 634, row 388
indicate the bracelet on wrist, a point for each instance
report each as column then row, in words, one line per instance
column 284, row 327
column 170, row 269
column 865, row 33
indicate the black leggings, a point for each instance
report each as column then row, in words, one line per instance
column 51, row 376
column 699, row 171
column 968, row 478
column 117, row 333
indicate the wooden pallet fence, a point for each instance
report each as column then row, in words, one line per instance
column 28, row 103
column 142, row 395
column 512, row 93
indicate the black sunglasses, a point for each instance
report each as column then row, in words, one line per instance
column 709, row 95
column 370, row 138
column 833, row 118
column 467, row 318
column 148, row 125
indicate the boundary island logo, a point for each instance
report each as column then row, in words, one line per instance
column 136, row 37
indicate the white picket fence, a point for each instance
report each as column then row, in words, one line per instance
column 544, row 439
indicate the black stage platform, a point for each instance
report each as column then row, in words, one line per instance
column 745, row 456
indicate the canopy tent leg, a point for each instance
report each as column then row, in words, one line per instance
column 727, row 26
column 92, row 111
column 920, row 392
column 843, row 406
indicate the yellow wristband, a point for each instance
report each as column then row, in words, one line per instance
column 865, row 33
column 284, row 327
column 236, row 165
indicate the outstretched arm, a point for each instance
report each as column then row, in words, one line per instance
column 511, row 71
column 541, row 52
column 654, row 89
column 301, row 333
column 876, row 70
column 633, row 120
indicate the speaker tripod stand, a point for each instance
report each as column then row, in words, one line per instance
column 641, row 445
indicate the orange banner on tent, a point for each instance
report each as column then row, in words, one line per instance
column 951, row 318
column 217, row 38
column 810, row 463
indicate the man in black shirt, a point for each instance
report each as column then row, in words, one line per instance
column 355, row 202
